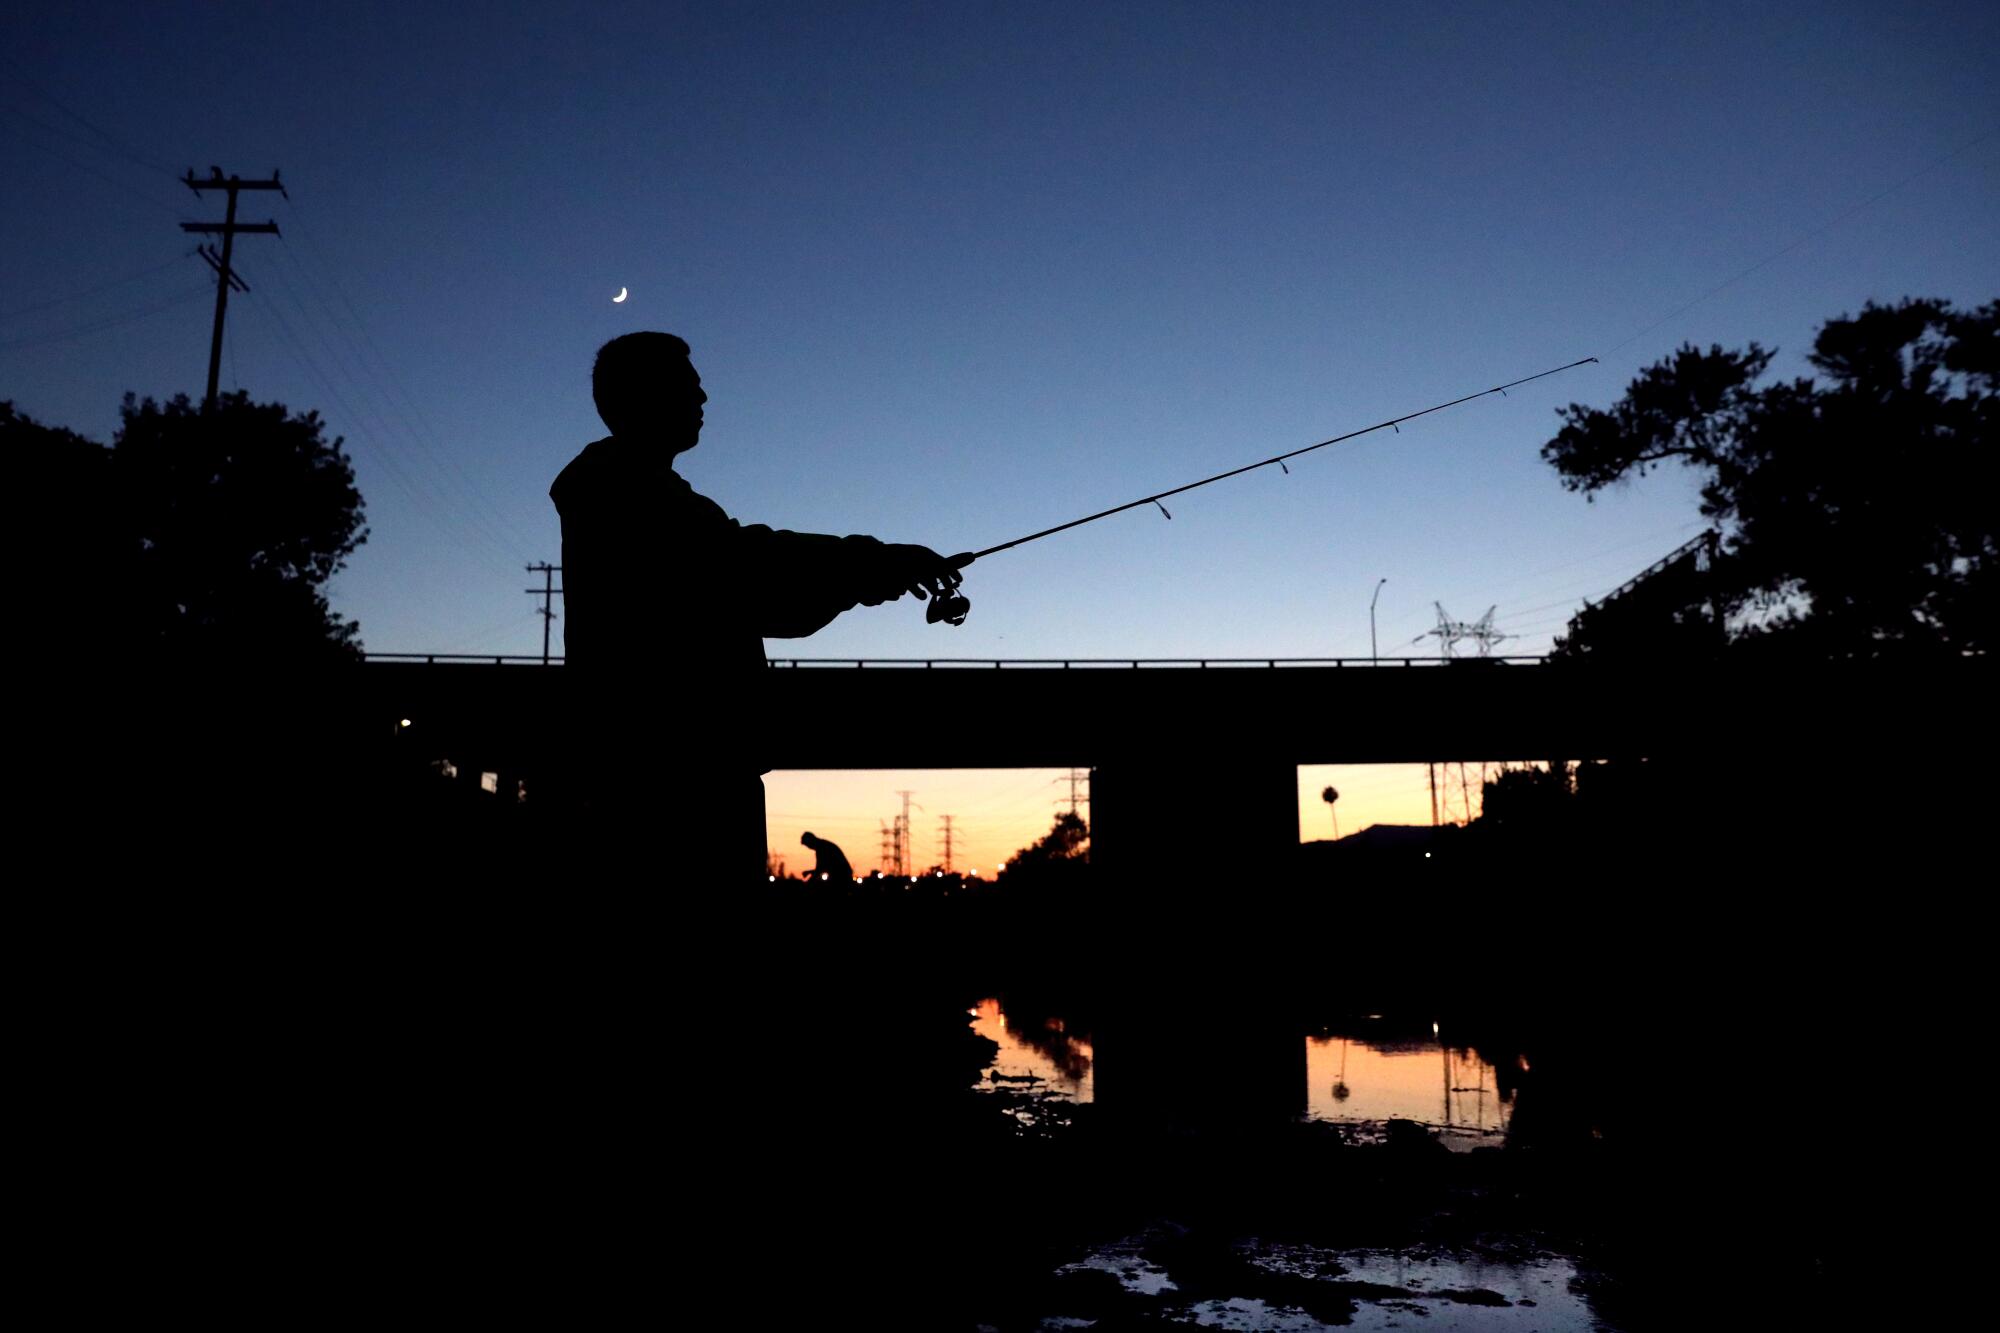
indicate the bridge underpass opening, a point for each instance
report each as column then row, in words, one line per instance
column 993, row 813
column 1398, row 795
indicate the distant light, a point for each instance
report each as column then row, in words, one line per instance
column 822, row 874
column 405, row 722
column 1434, row 1029
column 1427, row 856
column 772, row 878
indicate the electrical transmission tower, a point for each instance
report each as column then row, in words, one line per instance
column 225, row 276
column 1078, row 777
column 946, row 835
column 901, row 838
column 1460, row 798
column 1450, row 633
column 548, row 592
column 1462, row 792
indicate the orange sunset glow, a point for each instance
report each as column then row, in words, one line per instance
column 997, row 811
column 994, row 811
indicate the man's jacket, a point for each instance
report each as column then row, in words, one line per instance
column 663, row 591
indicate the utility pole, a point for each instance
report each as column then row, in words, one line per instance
column 947, row 844
column 548, row 592
column 1373, row 657
column 225, row 275
column 1432, row 769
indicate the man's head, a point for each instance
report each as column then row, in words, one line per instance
column 647, row 389
column 810, row 841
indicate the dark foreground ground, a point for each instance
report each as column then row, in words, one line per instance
column 511, row 1103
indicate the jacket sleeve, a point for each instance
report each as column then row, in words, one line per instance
column 800, row 581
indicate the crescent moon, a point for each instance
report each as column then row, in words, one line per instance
column 622, row 294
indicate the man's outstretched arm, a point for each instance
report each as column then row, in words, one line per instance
column 805, row 579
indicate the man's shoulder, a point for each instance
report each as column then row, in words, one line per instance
column 609, row 470
column 608, row 479
column 585, row 476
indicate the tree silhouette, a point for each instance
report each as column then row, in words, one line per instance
column 1058, row 856
column 1330, row 795
column 1855, row 506
column 198, row 534
column 79, row 603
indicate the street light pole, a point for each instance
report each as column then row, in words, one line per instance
column 1371, row 619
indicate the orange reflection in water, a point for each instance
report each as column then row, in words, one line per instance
column 1061, row 1062
column 1348, row 1080
column 1421, row 1081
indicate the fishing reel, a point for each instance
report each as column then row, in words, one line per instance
column 947, row 604
column 949, row 607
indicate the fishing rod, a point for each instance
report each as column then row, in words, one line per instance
column 946, row 604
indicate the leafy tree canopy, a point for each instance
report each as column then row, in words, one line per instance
column 196, row 534
column 1066, row 845
column 1856, row 506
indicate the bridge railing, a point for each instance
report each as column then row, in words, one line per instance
column 1004, row 663
column 493, row 659
column 1122, row 663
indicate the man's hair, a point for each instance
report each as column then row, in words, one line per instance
column 623, row 367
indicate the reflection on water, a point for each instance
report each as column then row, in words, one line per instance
column 1364, row 1074
column 1040, row 1056
column 1282, row 1287
column 1374, row 1075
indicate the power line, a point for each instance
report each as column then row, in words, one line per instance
column 474, row 527
column 481, row 636
column 1816, row 232
column 111, row 322
column 67, row 297
column 177, row 210
column 442, row 453
column 1490, row 592
column 109, row 142
column 499, row 556
column 382, row 455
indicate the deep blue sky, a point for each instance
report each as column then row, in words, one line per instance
column 956, row 272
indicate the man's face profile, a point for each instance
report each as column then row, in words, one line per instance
column 659, row 400
column 678, row 398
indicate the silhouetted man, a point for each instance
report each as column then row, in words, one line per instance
column 667, row 601
column 832, row 864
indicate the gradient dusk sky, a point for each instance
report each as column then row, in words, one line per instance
column 956, row 272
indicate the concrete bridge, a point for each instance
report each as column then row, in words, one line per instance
column 965, row 713
column 1163, row 736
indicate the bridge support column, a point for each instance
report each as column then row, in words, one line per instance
column 1207, row 826
column 1193, row 852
